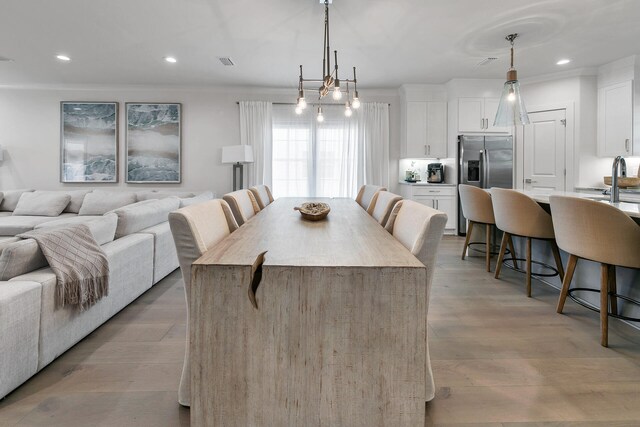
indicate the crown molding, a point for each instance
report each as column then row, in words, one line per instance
column 577, row 72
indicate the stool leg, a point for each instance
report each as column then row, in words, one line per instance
column 488, row 245
column 503, row 249
column 556, row 255
column 513, row 252
column 612, row 289
column 566, row 283
column 529, row 267
column 466, row 241
column 604, row 305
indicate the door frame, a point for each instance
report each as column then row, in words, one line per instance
column 569, row 144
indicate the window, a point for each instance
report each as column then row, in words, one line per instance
column 312, row 159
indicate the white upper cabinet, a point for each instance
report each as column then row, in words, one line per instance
column 476, row 115
column 615, row 120
column 425, row 129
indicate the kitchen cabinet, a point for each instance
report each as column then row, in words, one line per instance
column 437, row 196
column 476, row 115
column 615, row 120
column 425, row 129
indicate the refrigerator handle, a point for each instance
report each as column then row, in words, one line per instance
column 482, row 177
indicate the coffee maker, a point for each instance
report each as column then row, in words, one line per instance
column 435, row 173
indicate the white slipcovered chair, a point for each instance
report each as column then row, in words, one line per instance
column 381, row 206
column 196, row 229
column 419, row 228
column 243, row 204
column 366, row 193
column 597, row 232
column 263, row 195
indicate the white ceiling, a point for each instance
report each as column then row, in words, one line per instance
column 391, row 42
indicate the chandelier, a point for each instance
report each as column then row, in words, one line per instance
column 330, row 82
column 511, row 109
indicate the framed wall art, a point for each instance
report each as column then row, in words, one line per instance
column 88, row 142
column 153, row 143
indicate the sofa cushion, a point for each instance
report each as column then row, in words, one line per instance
column 202, row 197
column 19, row 258
column 3, row 213
column 165, row 257
column 42, row 203
column 101, row 202
column 10, row 199
column 102, row 227
column 77, row 197
column 12, row 225
column 141, row 215
column 153, row 195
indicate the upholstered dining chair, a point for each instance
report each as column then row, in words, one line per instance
column 366, row 193
column 196, row 229
column 594, row 231
column 243, row 204
column 381, row 206
column 263, row 196
column 419, row 228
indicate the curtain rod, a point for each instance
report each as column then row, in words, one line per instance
column 308, row 103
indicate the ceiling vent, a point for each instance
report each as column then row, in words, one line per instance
column 5, row 59
column 486, row 61
column 226, row 61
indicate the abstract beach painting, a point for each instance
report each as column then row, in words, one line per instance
column 89, row 142
column 153, row 143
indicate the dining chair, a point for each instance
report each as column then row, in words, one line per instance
column 263, row 196
column 243, row 204
column 196, row 229
column 519, row 215
column 419, row 228
column 591, row 230
column 366, row 193
column 381, row 206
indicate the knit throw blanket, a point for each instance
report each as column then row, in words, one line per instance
column 80, row 265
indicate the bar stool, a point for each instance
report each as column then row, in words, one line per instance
column 519, row 215
column 601, row 233
column 478, row 209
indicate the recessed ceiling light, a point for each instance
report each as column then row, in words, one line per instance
column 63, row 57
column 170, row 59
column 563, row 62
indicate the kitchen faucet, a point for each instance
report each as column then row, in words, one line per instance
column 618, row 163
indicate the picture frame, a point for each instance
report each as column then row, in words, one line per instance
column 153, row 143
column 89, row 142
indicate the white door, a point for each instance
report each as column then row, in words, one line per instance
column 544, row 151
column 490, row 111
column 416, row 129
column 448, row 206
column 436, row 129
column 615, row 120
column 471, row 115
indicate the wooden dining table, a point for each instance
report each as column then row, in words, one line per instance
column 301, row 323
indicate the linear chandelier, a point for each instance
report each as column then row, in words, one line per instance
column 330, row 81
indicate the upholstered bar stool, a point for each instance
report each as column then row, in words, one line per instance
column 478, row 209
column 366, row 193
column 519, row 215
column 601, row 233
column 381, row 206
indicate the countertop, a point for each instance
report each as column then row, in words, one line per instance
column 444, row 184
column 633, row 190
column 631, row 209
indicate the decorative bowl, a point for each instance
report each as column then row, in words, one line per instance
column 313, row 211
column 624, row 182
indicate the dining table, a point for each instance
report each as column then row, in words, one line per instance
column 309, row 323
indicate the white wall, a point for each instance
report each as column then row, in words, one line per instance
column 30, row 136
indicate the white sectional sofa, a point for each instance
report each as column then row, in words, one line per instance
column 137, row 241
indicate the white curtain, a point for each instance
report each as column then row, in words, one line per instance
column 373, row 144
column 256, row 124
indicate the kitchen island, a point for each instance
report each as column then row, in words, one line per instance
column 587, row 273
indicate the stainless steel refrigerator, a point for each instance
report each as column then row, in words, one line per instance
column 484, row 161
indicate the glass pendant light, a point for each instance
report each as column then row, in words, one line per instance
column 511, row 110
column 320, row 117
column 347, row 109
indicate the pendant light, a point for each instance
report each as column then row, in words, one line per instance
column 511, row 110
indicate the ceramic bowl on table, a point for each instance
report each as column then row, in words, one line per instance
column 313, row 211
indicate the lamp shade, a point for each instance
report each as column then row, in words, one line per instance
column 511, row 110
column 237, row 154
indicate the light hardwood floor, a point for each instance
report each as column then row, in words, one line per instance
column 499, row 359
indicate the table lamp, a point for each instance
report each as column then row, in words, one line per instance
column 237, row 154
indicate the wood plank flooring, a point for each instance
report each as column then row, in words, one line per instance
column 499, row 359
